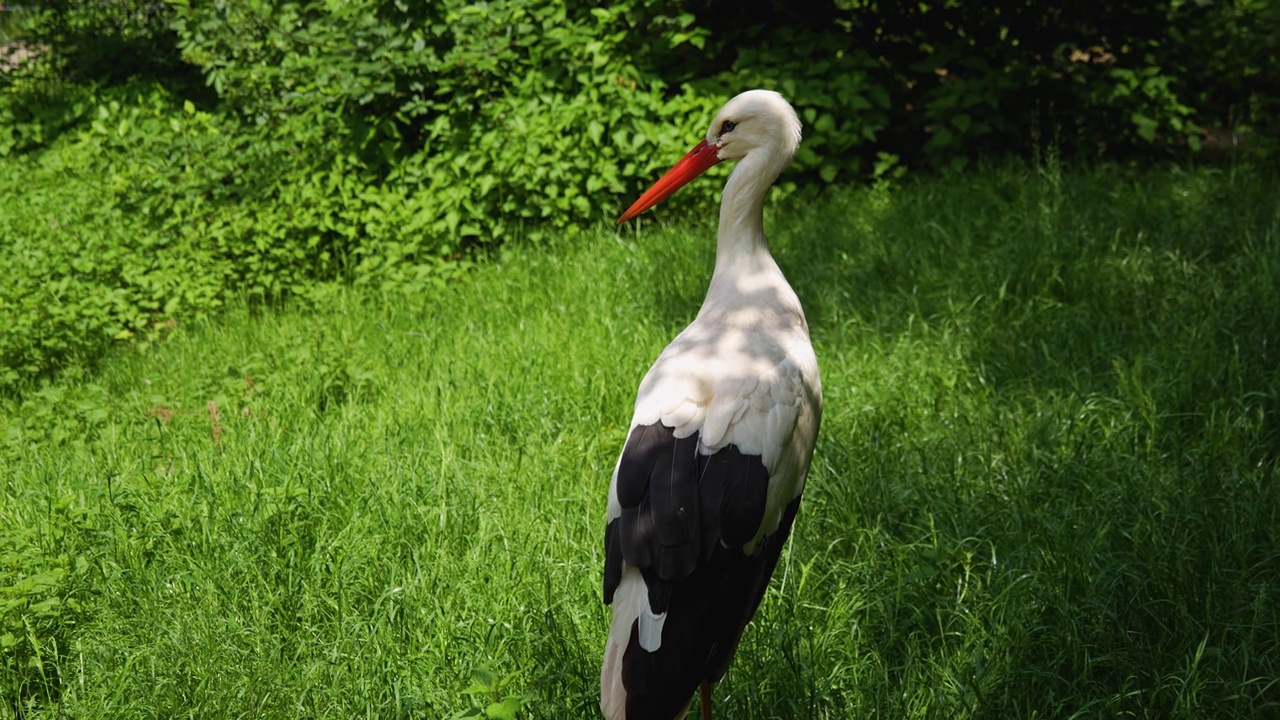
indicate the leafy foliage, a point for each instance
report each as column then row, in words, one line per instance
column 962, row 80
column 41, row 574
column 105, row 41
column 202, row 150
column 463, row 104
column 491, row 698
column 383, row 149
column 83, row 269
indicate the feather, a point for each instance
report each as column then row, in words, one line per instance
column 709, row 480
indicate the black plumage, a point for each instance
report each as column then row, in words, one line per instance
column 686, row 519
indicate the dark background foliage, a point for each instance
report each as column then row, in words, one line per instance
column 935, row 83
column 392, row 142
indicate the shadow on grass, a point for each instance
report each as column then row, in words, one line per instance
column 1071, row 487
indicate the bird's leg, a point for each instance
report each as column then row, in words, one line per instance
column 706, row 700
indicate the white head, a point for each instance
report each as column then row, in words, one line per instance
column 758, row 124
column 755, row 119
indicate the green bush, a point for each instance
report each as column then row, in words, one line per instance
column 107, row 41
column 1143, row 79
column 512, row 120
column 180, row 205
column 191, row 150
column 31, row 119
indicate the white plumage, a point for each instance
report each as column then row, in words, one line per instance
column 721, row 440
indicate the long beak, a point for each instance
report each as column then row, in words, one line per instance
column 693, row 164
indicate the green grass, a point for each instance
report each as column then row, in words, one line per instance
column 1047, row 483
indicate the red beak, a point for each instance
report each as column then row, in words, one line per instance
column 693, row 164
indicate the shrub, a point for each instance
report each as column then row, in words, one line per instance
column 391, row 143
column 510, row 120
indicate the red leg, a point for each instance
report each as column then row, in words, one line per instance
column 706, row 700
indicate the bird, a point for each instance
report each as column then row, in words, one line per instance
column 707, row 486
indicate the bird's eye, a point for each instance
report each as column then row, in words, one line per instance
column 728, row 126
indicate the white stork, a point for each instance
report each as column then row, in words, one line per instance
column 709, row 481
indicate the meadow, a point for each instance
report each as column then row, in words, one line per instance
column 1047, row 483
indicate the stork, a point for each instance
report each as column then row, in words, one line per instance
column 709, row 481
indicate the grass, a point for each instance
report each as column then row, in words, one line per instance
column 1047, row 484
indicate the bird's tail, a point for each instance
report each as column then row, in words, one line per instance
column 630, row 610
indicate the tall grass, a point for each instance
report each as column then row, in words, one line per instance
column 1047, row 482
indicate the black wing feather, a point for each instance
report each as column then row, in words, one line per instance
column 745, row 485
column 685, row 520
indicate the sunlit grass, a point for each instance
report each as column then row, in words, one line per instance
column 1046, row 485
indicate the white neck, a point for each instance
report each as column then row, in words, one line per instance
column 741, row 247
column 746, row 278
